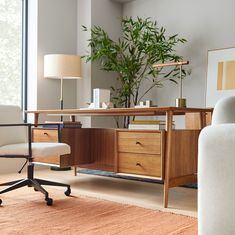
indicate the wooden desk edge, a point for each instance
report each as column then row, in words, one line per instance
column 164, row 108
column 151, row 111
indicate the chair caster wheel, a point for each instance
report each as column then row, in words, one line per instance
column 0, row 202
column 35, row 190
column 49, row 201
column 67, row 192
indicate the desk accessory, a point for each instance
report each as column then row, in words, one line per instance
column 100, row 96
column 179, row 102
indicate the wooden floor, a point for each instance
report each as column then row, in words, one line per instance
column 148, row 195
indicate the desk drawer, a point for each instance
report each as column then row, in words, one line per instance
column 139, row 142
column 141, row 164
column 45, row 135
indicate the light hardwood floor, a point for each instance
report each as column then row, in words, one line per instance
column 148, row 195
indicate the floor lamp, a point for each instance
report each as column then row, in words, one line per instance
column 60, row 66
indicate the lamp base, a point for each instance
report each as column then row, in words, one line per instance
column 180, row 102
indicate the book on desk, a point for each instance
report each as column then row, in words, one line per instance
column 148, row 125
column 64, row 124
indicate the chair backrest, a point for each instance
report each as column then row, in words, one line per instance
column 224, row 111
column 10, row 114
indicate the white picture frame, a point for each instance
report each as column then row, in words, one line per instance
column 220, row 75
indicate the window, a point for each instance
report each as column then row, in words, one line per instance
column 11, row 62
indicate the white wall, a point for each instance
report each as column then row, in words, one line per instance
column 57, row 23
column 106, row 14
column 84, row 85
column 52, row 30
column 205, row 24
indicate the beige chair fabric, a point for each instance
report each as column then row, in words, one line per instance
column 14, row 140
column 10, row 114
column 224, row 111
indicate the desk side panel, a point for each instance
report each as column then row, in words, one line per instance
column 79, row 141
column 103, row 148
column 184, row 153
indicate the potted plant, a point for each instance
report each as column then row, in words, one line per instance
column 142, row 44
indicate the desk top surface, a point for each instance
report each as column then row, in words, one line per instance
column 122, row 111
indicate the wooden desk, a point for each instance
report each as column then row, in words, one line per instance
column 177, row 154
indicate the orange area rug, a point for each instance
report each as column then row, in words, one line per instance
column 25, row 212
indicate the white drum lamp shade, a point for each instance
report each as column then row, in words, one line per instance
column 60, row 66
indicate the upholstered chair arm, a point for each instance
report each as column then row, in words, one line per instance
column 29, row 125
column 27, row 148
column 216, row 177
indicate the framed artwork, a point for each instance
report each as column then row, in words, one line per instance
column 220, row 75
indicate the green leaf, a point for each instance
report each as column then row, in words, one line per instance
column 143, row 43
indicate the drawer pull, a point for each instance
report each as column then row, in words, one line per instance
column 45, row 133
column 138, row 164
column 137, row 142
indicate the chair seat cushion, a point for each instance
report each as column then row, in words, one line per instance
column 38, row 149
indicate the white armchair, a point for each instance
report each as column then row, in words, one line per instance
column 15, row 142
column 216, row 172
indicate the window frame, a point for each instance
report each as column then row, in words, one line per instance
column 24, row 57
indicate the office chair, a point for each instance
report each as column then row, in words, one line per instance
column 16, row 142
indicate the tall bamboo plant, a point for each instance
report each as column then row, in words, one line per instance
column 143, row 43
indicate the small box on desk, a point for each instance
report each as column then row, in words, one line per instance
column 100, row 96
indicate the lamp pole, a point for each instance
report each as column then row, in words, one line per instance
column 61, row 97
column 61, row 94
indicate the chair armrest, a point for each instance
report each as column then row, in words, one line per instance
column 15, row 124
column 216, row 176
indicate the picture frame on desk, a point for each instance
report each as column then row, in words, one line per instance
column 220, row 74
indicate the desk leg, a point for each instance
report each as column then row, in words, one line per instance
column 36, row 117
column 75, row 170
column 169, row 120
column 72, row 118
column 202, row 120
